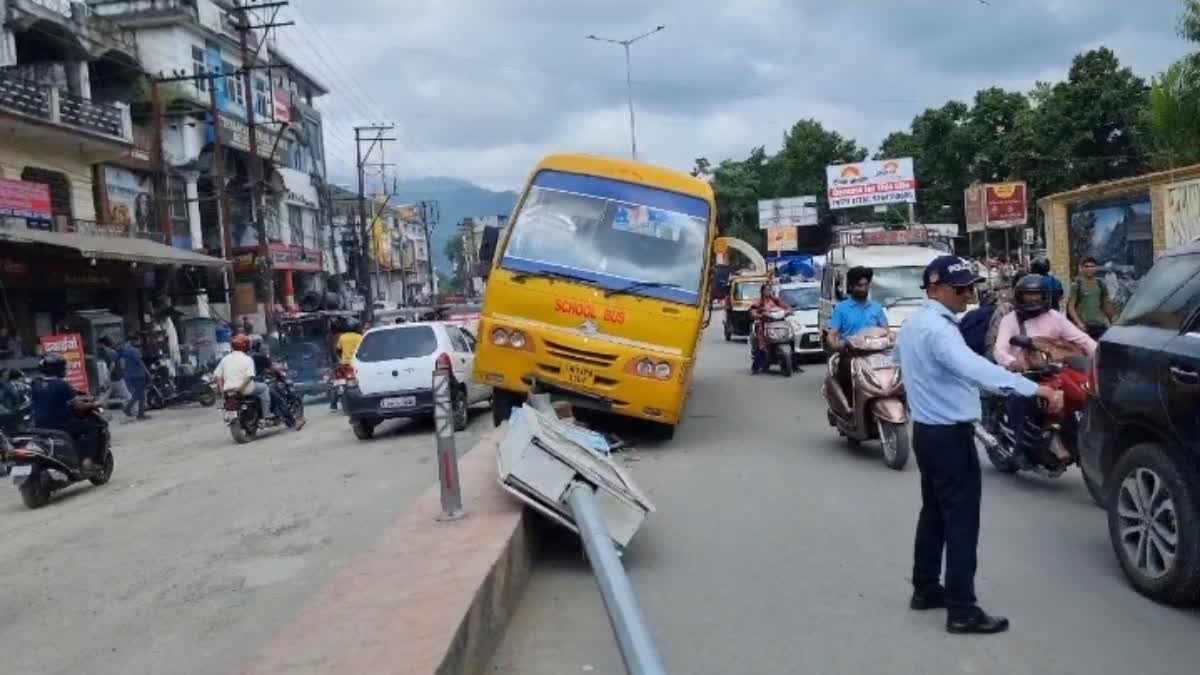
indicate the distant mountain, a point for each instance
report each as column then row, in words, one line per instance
column 457, row 199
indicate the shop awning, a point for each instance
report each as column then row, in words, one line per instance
column 114, row 248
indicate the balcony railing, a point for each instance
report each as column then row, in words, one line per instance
column 47, row 103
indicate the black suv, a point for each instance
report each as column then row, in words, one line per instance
column 1140, row 449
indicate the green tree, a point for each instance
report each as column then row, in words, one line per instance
column 1173, row 115
column 456, row 254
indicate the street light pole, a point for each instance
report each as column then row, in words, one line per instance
column 629, row 79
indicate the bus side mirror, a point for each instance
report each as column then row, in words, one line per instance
column 487, row 250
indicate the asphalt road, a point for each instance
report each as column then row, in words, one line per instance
column 778, row 549
column 199, row 550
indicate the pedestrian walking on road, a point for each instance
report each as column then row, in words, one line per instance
column 136, row 378
column 942, row 377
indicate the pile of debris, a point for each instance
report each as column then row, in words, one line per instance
column 545, row 456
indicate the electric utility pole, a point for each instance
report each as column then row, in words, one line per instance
column 430, row 213
column 363, row 159
column 249, row 57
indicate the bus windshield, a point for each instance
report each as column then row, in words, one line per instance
column 613, row 234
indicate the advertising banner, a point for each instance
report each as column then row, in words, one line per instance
column 976, row 210
column 130, row 199
column 885, row 181
column 22, row 199
column 70, row 346
column 782, row 239
column 1005, row 204
column 788, row 212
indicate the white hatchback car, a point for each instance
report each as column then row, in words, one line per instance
column 393, row 374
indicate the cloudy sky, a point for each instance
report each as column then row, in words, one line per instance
column 480, row 89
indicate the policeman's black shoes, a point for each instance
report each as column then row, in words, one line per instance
column 933, row 597
column 978, row 622
column 973, row 621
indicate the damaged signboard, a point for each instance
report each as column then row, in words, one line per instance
column 542, row 458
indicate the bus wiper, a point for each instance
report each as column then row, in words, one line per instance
column 521, row 276
column 638, row 285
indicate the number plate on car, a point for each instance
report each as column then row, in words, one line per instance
column 577, row 374
column 398, row 402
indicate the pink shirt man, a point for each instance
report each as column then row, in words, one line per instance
column 1050, row 324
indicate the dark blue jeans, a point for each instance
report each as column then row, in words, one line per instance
column 279, row 406
column 137, row 391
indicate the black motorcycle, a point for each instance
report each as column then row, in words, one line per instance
column 163, row 390
column 43, row 461
column 244, row 414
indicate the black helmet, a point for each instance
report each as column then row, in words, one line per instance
column 1030, row 283
column 1040, row 266
column 53, row 365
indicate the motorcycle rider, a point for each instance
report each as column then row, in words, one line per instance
column 767, row 301
column 347, row 343
column 263, row 365
column 235, row 374
column 1033, row 316
column 1053, row 286
column 850, row 317
column 53, row 403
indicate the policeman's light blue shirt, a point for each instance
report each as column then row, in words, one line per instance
column 942, row 376
column 851, row 316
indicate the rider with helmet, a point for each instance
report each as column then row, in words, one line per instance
column 1032, row 316
column 53, row 403
column 263, row 365
column 235, row 374
column 1054, row 287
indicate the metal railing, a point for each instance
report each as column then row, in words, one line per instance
column 47, row 103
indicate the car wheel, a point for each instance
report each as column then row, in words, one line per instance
column 503, row 402
column 363, row 429
column 1154, row 523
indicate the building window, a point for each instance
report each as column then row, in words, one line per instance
column 177, row 194
column 199, row 69
column 296, row 223
column 262, row 98
column 233, row 84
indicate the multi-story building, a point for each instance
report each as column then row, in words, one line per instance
column 82, row 224
column 280, row 251
column 399, row 261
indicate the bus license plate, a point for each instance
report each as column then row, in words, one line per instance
column 580, row 375
column 398, row 402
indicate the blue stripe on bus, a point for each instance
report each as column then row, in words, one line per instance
column 609, row 188
column 605, row 281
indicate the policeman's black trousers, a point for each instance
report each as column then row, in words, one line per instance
column 950, row 493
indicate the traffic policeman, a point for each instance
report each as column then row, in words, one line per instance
column 942, row 377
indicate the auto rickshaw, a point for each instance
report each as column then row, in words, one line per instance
column 744, row 291
column 306, row 345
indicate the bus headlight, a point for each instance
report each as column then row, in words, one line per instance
column 499, row 337
column 517, row 339
column 645, row 368
column 663, row 371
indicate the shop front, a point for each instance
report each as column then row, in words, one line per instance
column 1124, row 224
column 291, row 266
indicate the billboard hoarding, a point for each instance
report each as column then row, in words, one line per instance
column 1006, row 204
column 974, row 209
column 788, row 212
column 782, row 239
column 885, row 181
column 22, row 199
column 70, row 346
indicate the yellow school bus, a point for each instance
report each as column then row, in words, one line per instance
column 598, row 289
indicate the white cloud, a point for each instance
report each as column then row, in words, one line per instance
column 480, row 89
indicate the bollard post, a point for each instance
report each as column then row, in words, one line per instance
column 447, row 455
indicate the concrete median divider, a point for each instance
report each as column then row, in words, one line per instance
column 430, row 597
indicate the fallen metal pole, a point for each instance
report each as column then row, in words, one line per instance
column 629, row 627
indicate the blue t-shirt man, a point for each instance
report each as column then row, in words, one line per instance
column 50, row 398
column 851, row 316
